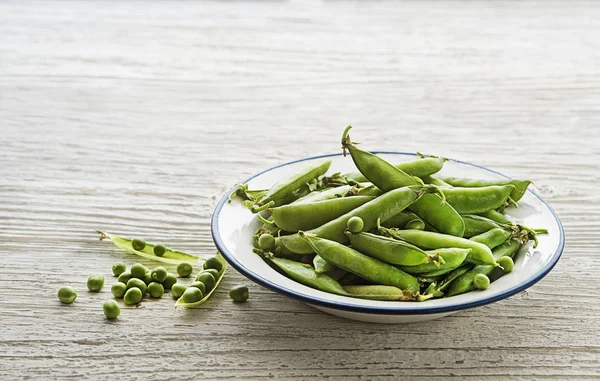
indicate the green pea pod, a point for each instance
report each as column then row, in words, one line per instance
column 477, row 200
column 400, row 220
column 494, row 237
column 362, row 265
column 377, row 292
column 170, row 256
column 497, row 217
column 480, row 254
column 520, row 186
column 448, row 279
column 322, row 266
column 435, row 181
column 421, row 167
column 305, row 274
column 384, row 207
column 431, row 208
column 388, row 250
column 452, row 257
column 305, row 216
column 326, row 194
column 475, row 225
column 181, row 303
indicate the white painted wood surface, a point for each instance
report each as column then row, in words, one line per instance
column 136, row 116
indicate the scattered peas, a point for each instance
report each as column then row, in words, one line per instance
column 137, row 283
column 124, row 277
column 266, row 242
column 184, row 269
column 138, row 244
column 481, row 281
column 160, row 250
column 506, row 263
column 156, row 290
column 208, row 279
column 67, row 294
column 138, row 271
column 213, row 263
column 159, row 274
column 119, row 268
column 118, row 290
column 239, row 293
column 191, row 295
column 95, row 282
column 177, row 290
column 199, row 285
column 169, row 281
column 355, row 224
column 133, row 296
column 111, row 309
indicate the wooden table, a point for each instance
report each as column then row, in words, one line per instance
column 136, row 116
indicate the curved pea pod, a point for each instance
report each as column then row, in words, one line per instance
column 378, row 292
column 480, row 254
column 424, row 166
column 441, row 217
column 497, row 217
column 171, row 256
column 494, row 237
column 305, row 274
column 362, row 265
column 475, row 225
column 520, row 186
column 452, row 257
column 388, row 250
column 477, row 200
column 309, row 215
column 325, row 194
column 384, row 207
column 181, row 303
column 322, row 266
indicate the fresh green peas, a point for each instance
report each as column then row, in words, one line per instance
column 177, row 290
column 355, row 224
column 156, row 290
column 138, row 244
column 185, row 269
column 239, row 293
column 199, row 285
column 95, row 282
column 124, row 277
column 192, row 295
column 481, row 281
column 208, row 279
column 159, row 274
column 111, row 309
column 118, row 289
column 67, row 294
column 416, row 224
column 160, row 250
column 214, row 273
column 138, row 271
column 119, row 268
column 169, row 281
column 133, row 296
column 266, row 242
column 213, row 263
column 506, row 263
column 137, row 283
column 148, row 278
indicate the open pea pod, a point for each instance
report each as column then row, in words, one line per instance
column 181, row 303
column 171, row 256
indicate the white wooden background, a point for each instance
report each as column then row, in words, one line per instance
column 136, row 116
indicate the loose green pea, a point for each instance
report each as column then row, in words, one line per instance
column 133, row 296
column 118, row 290
column 213, row 263
column 156, row 290
column 169, row 281
column 160, row 250
column 148, row 278
column 138, row 244
column 266, row 242
column 95, row 282
column 138, row 271
column 124, row 277
column 199, row 285
column 214, row 273
column 191, row 295
column 239, row 293
column 111, row 309
column 119, row 268
column 506, row 263
column 355, row 224
column 481, row 281
column 137, row 283
column 177, row 290
column 159, row 274
column 67, row 294
column 184, row 270
column 208, row 279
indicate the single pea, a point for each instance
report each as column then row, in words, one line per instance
column 138, row 244
column 159, row 274
column 138, row 271
column 199, row 285
column 506, row 263
column 95, row 282
column 184, row 269
column 67, row 294
column 124, row 277
column 208, row 279
column 266, row 241
column 160, row 250
column 137, row 283
column 213, row 263
column 156, row 290
column 133, row 296
column 119, row 268
column 177, row 290
column 481, row 281
column 355, row 224
column 239, row 293
column 118, row 290
column 111, row 309
column 169, row 281
column 214, row 273
column 148, row 278
column 191, row 295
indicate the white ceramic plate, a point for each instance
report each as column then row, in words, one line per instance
column 233, row 226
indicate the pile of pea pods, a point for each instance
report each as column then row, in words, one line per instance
column 388, row 232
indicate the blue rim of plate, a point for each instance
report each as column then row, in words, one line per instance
column 369, row 309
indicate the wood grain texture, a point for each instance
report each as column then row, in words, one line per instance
column 136, row 116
